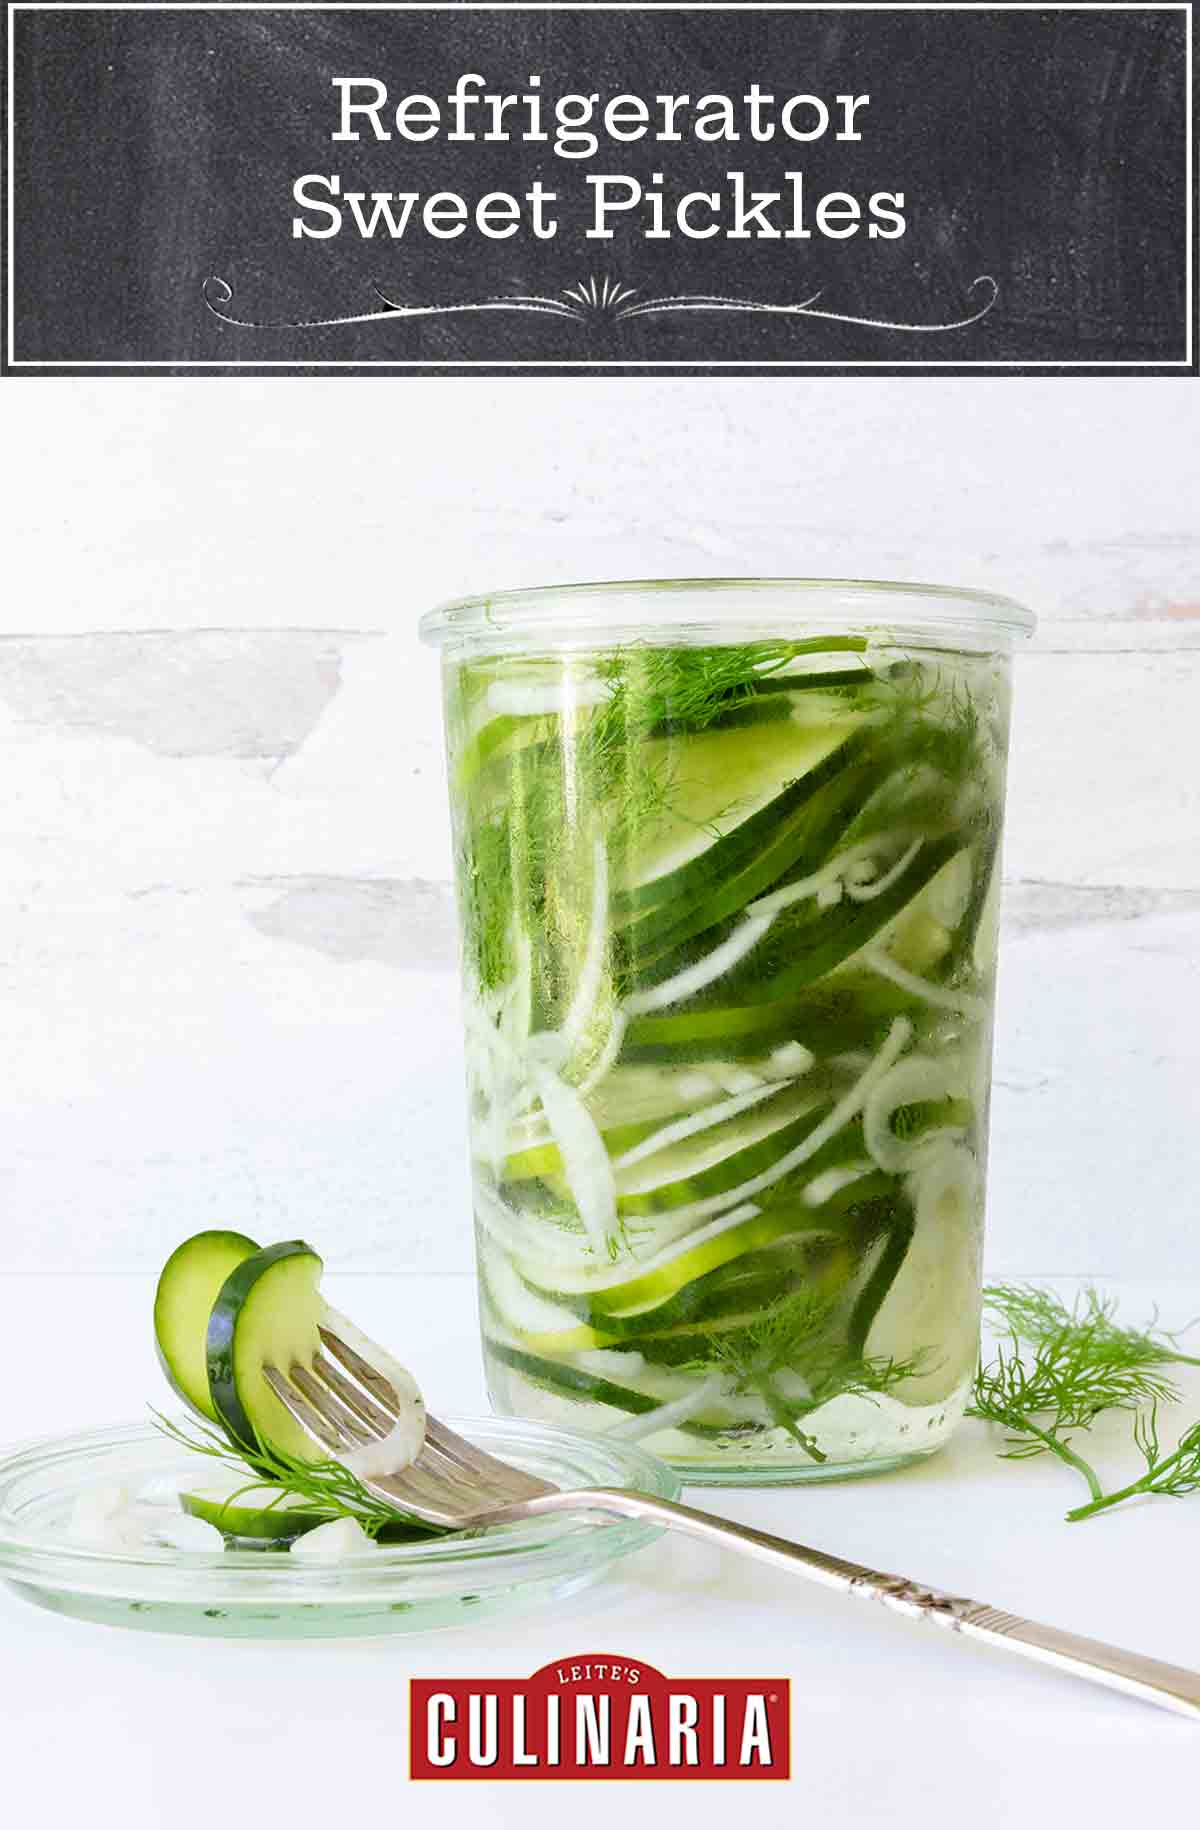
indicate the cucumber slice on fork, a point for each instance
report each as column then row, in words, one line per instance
column 268, row 1313
column 191, row 1281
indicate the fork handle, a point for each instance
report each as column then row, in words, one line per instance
column 1169, row 1686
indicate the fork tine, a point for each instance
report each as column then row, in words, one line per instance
column 451, row 1479
column 427, row 1491
column 481, row 1467
column 323, row 1433
column 368, row 1376
column 473, row 1488
column 442, row 1511
column 330, row 1407
column 466, row 1492
column 377, row 1420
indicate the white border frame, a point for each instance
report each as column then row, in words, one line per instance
column 1180, row 365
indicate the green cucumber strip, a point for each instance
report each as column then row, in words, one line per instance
column 575, row 1383
column 268, row 1312
column 774, row 700
column 791, row 837
column 488, row 741
column 273, row 1516
column 532, row 1316
column 674, row 1290
column 270, row 1513
column 746, row 1284
column 666, row 1181
column 190, row 1283
column 841, row 1014
column 817, row 946
column 825, row 679
column 815, row 755
column 706, row 1303
column 866, row 1307
column 653, row 1287
column 960, row 951
column 544, row 1159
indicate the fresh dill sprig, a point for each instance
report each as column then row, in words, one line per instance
column 1035, row 1314
column 1082, row 1363
column 517, row 851
column 1175, row 1473
column 330, row 1489
column 685, row 688
column 787, row 1337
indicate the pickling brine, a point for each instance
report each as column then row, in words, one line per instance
column 729, row 925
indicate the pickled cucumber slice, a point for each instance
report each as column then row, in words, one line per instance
column 713, row 1161
column 799, row 833
column 734, row 786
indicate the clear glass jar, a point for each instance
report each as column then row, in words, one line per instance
column 727, row 858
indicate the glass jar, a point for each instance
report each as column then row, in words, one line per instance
column 728, row 861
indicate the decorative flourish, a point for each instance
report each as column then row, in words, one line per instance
column 608, row 297
column 589, row 300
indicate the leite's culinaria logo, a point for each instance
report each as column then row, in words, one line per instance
column 597, row 1716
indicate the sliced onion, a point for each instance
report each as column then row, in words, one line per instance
column 406, row 1438
column 614, row 1363
column 829, row 874
column 831, row 1182
column 846, row 1108
column 397, row 1450
column 606, row 1059
column 521, row 1305
column 704, row 971
column 791, row 1059
column 97, row 1514
column 867, row 892
column 330, row 1542
column 946, row 1173
column 667, row 1416
column 586, row 1166
column 591, row 976
column 962, row 1003
column 911, row 1082
column 186, row 1533
column 696, row 1121
column 534, row 1243
column 595, row 1277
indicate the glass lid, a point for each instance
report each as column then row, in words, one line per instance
column 244, row 1592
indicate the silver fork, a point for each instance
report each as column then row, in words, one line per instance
column 343, row 1402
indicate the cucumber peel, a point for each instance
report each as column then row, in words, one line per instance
column 269, row 1513
column 268, row 1312
column 190, row 1282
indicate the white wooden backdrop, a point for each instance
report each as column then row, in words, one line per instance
column 226, row 982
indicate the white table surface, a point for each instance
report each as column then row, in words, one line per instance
column 893, row 1723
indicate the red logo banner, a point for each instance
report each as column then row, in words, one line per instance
column 597, row 1716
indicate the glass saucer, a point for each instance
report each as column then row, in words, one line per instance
column 401, row 1588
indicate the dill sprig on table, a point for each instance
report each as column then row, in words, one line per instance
column 1082, row 1363
column 1174, row 1473
column 1035, row 1314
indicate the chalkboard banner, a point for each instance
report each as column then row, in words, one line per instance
column 592, row 189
